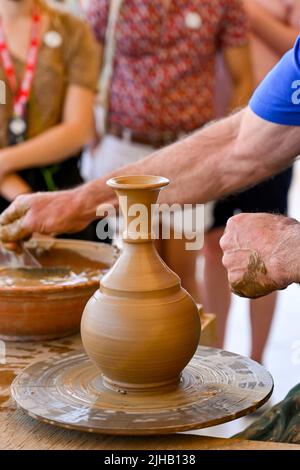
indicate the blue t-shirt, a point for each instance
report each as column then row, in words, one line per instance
column 277, row 99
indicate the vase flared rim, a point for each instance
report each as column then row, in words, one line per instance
column 138, row 182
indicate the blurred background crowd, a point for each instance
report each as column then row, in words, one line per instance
column 111, row 82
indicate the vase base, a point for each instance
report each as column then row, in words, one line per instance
column 216, row 387
column 156, row 388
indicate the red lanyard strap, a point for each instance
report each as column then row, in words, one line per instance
column 21, row 95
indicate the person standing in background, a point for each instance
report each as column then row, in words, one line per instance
column 274, row 28
column 49, row 62
column 162, row 84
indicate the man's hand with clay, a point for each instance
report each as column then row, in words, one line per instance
column 44, row 213
column 261, row 253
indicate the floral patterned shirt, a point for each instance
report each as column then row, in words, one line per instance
column 164, row 69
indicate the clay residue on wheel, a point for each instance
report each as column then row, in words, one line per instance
column 255, row 282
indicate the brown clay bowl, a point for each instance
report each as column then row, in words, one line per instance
column 42, row 312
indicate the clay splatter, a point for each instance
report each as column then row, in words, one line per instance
column 253, row 284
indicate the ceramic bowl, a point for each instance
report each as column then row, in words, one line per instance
column 52, row 311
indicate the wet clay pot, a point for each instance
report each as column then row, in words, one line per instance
column 141, row 327
column 35, row 313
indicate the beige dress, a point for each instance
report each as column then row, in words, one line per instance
column 75, row 61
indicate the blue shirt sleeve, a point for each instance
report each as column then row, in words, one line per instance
column 277, row 99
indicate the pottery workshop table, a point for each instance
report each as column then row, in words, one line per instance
column 20, row 432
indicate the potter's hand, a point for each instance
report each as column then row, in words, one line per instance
column 45, row 213
column 261, row 253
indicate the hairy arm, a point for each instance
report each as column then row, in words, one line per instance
column 226, row 156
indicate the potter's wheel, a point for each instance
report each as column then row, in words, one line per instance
column 216, row 387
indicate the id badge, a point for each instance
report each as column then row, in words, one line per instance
column 17, row 131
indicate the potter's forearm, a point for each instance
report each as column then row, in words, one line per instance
column 190, row 165
column 221, row 159
column 224, row 157
column 51, row 147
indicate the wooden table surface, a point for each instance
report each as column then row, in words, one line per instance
column 19, row 432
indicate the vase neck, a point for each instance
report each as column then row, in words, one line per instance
column 138, row 207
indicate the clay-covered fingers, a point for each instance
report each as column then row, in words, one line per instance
column 14, row 232
column 16, row 210
column 45, row 213
column 12, row 221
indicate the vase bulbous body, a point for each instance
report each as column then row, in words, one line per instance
column 141, row 327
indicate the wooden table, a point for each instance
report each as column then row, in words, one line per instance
column 19, row 432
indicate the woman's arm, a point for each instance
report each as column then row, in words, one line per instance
column 58, row 143
column 12, row 186
column 239, row 66
column 275, row 33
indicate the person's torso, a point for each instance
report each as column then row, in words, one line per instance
column 47, row 94
column 164, row 64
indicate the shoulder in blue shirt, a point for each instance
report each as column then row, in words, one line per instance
column 277, row 99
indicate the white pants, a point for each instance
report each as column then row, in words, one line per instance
column 111, row 154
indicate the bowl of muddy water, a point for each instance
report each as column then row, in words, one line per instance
column 47, row 302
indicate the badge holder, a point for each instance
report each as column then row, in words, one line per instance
column 17, row 131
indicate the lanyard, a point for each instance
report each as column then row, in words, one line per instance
column 21, row 95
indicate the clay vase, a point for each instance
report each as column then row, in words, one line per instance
column 141, row 327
